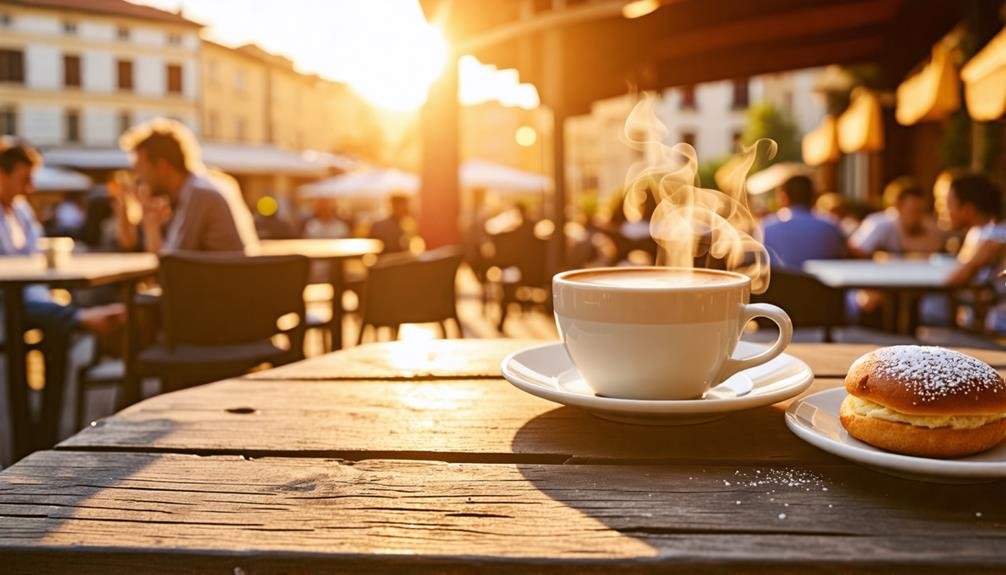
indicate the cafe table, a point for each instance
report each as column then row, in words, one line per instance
column 418, row 457
column 79, row 271
column 903, row 279
column 334, row 252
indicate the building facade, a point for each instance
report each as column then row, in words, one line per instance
column 710, row 117
column 75, row 75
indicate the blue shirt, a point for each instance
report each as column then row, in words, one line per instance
column 794, row 235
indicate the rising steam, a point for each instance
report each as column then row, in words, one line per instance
column 694, row 225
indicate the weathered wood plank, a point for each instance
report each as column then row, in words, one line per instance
column 458, row 420
column 138, row 507
column 481, row 358
column 442, row 358
column 833, row 360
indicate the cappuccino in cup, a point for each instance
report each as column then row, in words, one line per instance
column 658, row 332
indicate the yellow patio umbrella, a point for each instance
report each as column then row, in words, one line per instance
column 933, row 93
column 985, row 80
column 820, row 146
column 861, row 127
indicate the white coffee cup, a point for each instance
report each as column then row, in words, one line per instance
column 658, row 332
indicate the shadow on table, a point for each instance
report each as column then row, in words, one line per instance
column 684, row 498
column 50, row 489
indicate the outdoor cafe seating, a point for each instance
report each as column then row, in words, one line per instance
column 407, row 288
column 247, row 301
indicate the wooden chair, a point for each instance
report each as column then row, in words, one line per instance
column 403, row 288
column 220, row 313
column 807, row 301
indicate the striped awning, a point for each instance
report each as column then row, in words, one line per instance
column 985, row 80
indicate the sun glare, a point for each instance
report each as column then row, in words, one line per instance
column 384, row 49
column 399, row 76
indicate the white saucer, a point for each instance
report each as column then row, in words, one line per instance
column 547, row 372
column 815, row 420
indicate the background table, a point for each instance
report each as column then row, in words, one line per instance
column 894, row 274
column 335, row 253
column 904, row 281
column 399, row 474
column 81, row 270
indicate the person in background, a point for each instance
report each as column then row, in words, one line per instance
column 182, row 208
column 794, row 234
column 395, row 231
column 67, row 217
column 326, row 223
column 973, row 204
column 19, row 235
column 906, row 227
column 834, row 205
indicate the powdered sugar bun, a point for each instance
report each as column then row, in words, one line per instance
column 923, row 380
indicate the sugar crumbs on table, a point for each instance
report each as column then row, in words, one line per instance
column 978, row 513
column 738, row 502
column 783, row 477
column 934, row 373
column 782, row 516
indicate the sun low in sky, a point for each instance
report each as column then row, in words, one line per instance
column 384, row 49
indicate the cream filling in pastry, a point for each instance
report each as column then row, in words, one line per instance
column 864, row 408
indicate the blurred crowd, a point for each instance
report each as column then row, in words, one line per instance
column 170, row 201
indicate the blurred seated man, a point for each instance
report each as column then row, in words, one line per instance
column 834, row 205
column 182, row 209
column 396, row 230
column 794, row 234
column 904, row 228
column 973, row 205
column 19, row 234
column 326, row 223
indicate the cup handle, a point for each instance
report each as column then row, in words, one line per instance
column 779, row 317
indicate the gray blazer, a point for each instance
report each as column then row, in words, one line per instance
column 203, row 221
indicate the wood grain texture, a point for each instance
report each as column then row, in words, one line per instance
column 481, row 358
column 130, row 510
column 457, row 420
column 833, row 360
column 444, row 358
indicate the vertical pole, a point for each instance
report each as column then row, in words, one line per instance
column 554, row 96
column 439, row 198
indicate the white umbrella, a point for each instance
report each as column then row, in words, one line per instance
column 369, row 183
column 54, row 179
column 775, row 175
column 496, row 177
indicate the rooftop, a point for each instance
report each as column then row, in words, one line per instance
column 108, row 8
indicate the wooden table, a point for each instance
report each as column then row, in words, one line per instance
column 335, row 253
column 81, row 270
column 904, row 280
column 432, row 474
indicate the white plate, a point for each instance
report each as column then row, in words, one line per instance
column 547, row 372
column 815, row 420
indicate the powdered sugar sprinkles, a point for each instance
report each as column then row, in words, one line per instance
column 933, row 373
